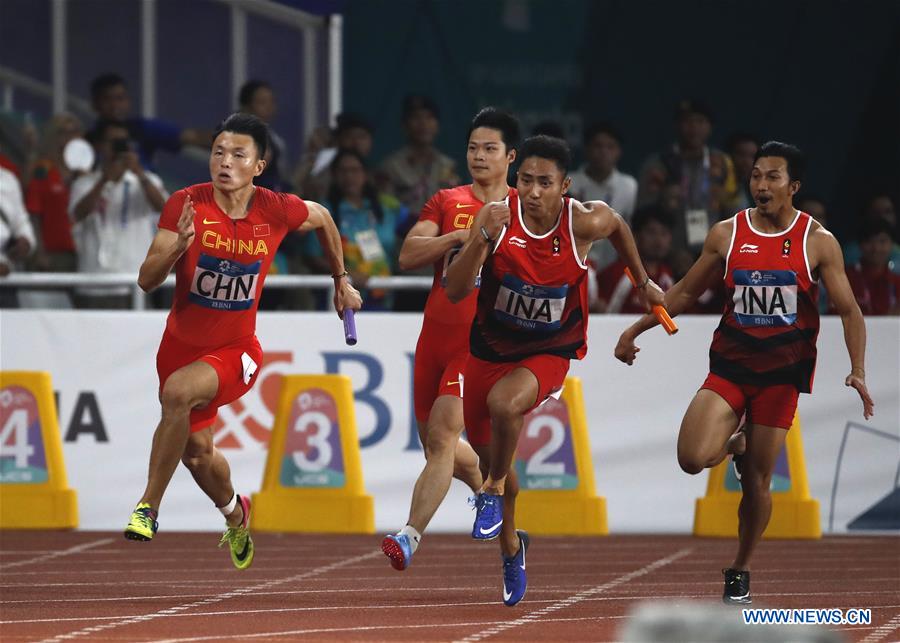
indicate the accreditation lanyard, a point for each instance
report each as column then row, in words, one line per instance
column 705, row 181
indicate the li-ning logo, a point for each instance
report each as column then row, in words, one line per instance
column 786, row 248
column 517, row 241
column 749, row 247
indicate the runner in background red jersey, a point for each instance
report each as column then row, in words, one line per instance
column 764, row 351
column 220, row 238
column 530, row 320
column 443, row 345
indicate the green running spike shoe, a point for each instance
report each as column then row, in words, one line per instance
column 238, row 538
column 142, row 525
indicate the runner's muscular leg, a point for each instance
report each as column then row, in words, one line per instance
column 764, row 443
column 211, row 472
column 441, row 440
column 191, row 386
column 707, row 425
column 507, row 403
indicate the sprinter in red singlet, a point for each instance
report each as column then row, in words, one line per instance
column 530, row 320
column 443, row 345
column 764, row 351
column 220, row 238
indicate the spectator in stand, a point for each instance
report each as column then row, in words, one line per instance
column 367, row 222
column 880, row 206
column 114, row 211
column 111, row 102
column 47, row 196
column 256, row 97
column 876, row 288
column 600, row 180
column 416, row 171
column 352, row 132
column 814, row 207
column 652, row 228
column 742, row 148
column 16, row 234
column 704, row 176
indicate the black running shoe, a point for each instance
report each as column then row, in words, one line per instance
column 737, row 587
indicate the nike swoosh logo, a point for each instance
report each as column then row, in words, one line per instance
column 463, row 205
column 208, row 222
column 452, row 383
column 243, row 553
column 490, row 529
column 506, row 594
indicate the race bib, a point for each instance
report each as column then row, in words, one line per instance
column 765, row 297
column 224, row 284
column 449, row 256
column 528, row 307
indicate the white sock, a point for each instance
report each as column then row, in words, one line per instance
column 228, row 509
column 414, row 536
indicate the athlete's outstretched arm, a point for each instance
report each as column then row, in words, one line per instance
column 831, row 269
column 319, row 219
column 424, row 244
column 708, row 267
column 166, row 248
column 463, row 270
column 595, row 220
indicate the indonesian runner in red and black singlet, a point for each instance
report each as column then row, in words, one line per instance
column 443, row 346
column 531, row 319
column 220, row 238
column 763, row 353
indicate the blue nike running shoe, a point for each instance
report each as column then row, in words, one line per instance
column 514, row 580
column 488, row 516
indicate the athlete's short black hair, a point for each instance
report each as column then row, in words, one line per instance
column 547, row 147
column 502, row 121
column 103, row 82
column 248, row 89
column 240, row 123
column 796, row 161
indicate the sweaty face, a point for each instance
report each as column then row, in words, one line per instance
column 603, row 152
column 234, row 161
column 113, row 104
column 487, row 156
column 771, row 186
column 541, row 184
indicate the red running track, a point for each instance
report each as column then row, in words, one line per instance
column 60, row 586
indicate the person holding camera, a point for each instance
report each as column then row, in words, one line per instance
column 114, row 212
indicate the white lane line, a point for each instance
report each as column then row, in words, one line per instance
column 882, row 631
column 368, row 628
column 172, row 611
column 577, row 598
column 77, row 549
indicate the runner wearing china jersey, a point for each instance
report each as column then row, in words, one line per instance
column 530, row 320
column 442, row 349
column 764, row 351
column 220, row 238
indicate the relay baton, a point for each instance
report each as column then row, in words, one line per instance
column 349, row 327
column 662, row 315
